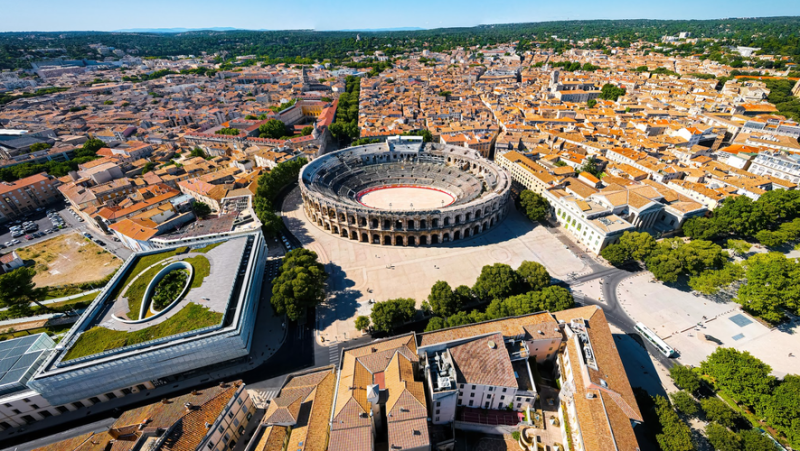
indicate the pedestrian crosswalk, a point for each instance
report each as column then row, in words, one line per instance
column 261, row 398
column 333, row 352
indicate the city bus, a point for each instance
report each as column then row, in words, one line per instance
column 655, row 340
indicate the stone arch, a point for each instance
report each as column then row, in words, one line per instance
column 376, row 239
column 410, row 224
column 362, row 222
column 446, row 221
column 398, row 224
column 458, row 219
column 335, row 229
column 412, row 241
column 364, row 237
column 423, row 239
column 435, row 222
column 466, row 232
column 434, row 239
column 485, row 225
column 353, row 235
column 467, row 217
column 375, row 223
column 351, row 220
column 327, row 226
column 456, row 235
column 387, row 224
column 423, row 224
column 398, row 240
column 445, row 237
column 387, row 240
column 478, row 213
column 344, row 233
column 342, row 218
column 476, row 230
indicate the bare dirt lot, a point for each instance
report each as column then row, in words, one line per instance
column 69, row 259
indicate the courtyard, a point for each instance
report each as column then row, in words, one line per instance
column 360, row 272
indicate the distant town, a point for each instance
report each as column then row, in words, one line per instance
column 409, row 241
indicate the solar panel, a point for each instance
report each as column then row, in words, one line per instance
column 13, row 376
column 27, row 360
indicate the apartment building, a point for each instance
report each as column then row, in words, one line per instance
column 785, row 166
column 26, row 195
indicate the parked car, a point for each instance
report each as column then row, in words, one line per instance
column 29, row 237
column 100, row 242
column 87, row 235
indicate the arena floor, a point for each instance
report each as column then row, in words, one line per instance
column 405, row 198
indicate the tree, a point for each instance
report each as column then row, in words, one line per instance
column 362, row 323
column 307, row 130
column 555, row 298
column 435, row 323
column 685, row 378
column 783, row 408
column 197, row 152
column 591, row 103
column 201, row 209
column 639, row 244
column 675, row 434
column 616, row 254
column 536, row 207
column 148, row 167
column 388, row 313
column 534, row 275
column 464, row 294
column 711, row 281
column 442, row 300
column 36, row 147
column 684, row 403
column 717, row 410
column 497, row 281
column 770, row 286
column 701, row 228
column 739, row 247
column 590, row 166
column 300, row 283
column 611, row 92
column 754, row 440
column 18, row 291
column 273, row 128
column 90, row 148
column 723, row 439
column 741, row 375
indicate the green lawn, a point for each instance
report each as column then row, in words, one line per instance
column 98, row 339
column 135, row 292
column 202, row 268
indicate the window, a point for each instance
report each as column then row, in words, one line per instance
column 28, row 419
column 34, row 406
column 111, row 396
column 94, row 399
column 141, row 387
column 45, row 414
column 239, row 401
column 504, row 390
column 126, row 391
column 473, row 387
column 438, row 412
column 470, row 402
column 472, row 395
column 490, row 388
column 77, row 404
column 486, row 406
column 26, row 399
column 210, row 445
column 248, row 416
column 241, row 430
column 221, row 429
column 62, row 409
column 16, row 411
column 438, row 404
column 461, row 386
column 230, row 414
column 502, row 397
column 518, row 398
column 7, row 405
column 235, row 422
column 437, row 419
column 519, row 405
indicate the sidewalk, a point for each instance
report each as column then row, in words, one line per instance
column 65, row 298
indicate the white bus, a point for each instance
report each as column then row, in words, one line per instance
column 655, row 340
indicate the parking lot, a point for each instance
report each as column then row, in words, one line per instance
column 44, row 222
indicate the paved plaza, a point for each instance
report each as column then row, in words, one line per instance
column 360, row 271
column 696, row 326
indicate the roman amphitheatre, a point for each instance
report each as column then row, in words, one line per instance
column 405, row 193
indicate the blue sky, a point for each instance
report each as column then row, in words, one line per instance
column 63, row 15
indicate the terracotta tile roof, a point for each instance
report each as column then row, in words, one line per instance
column 272, row 439
column 509, row 327
column 484, row 361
